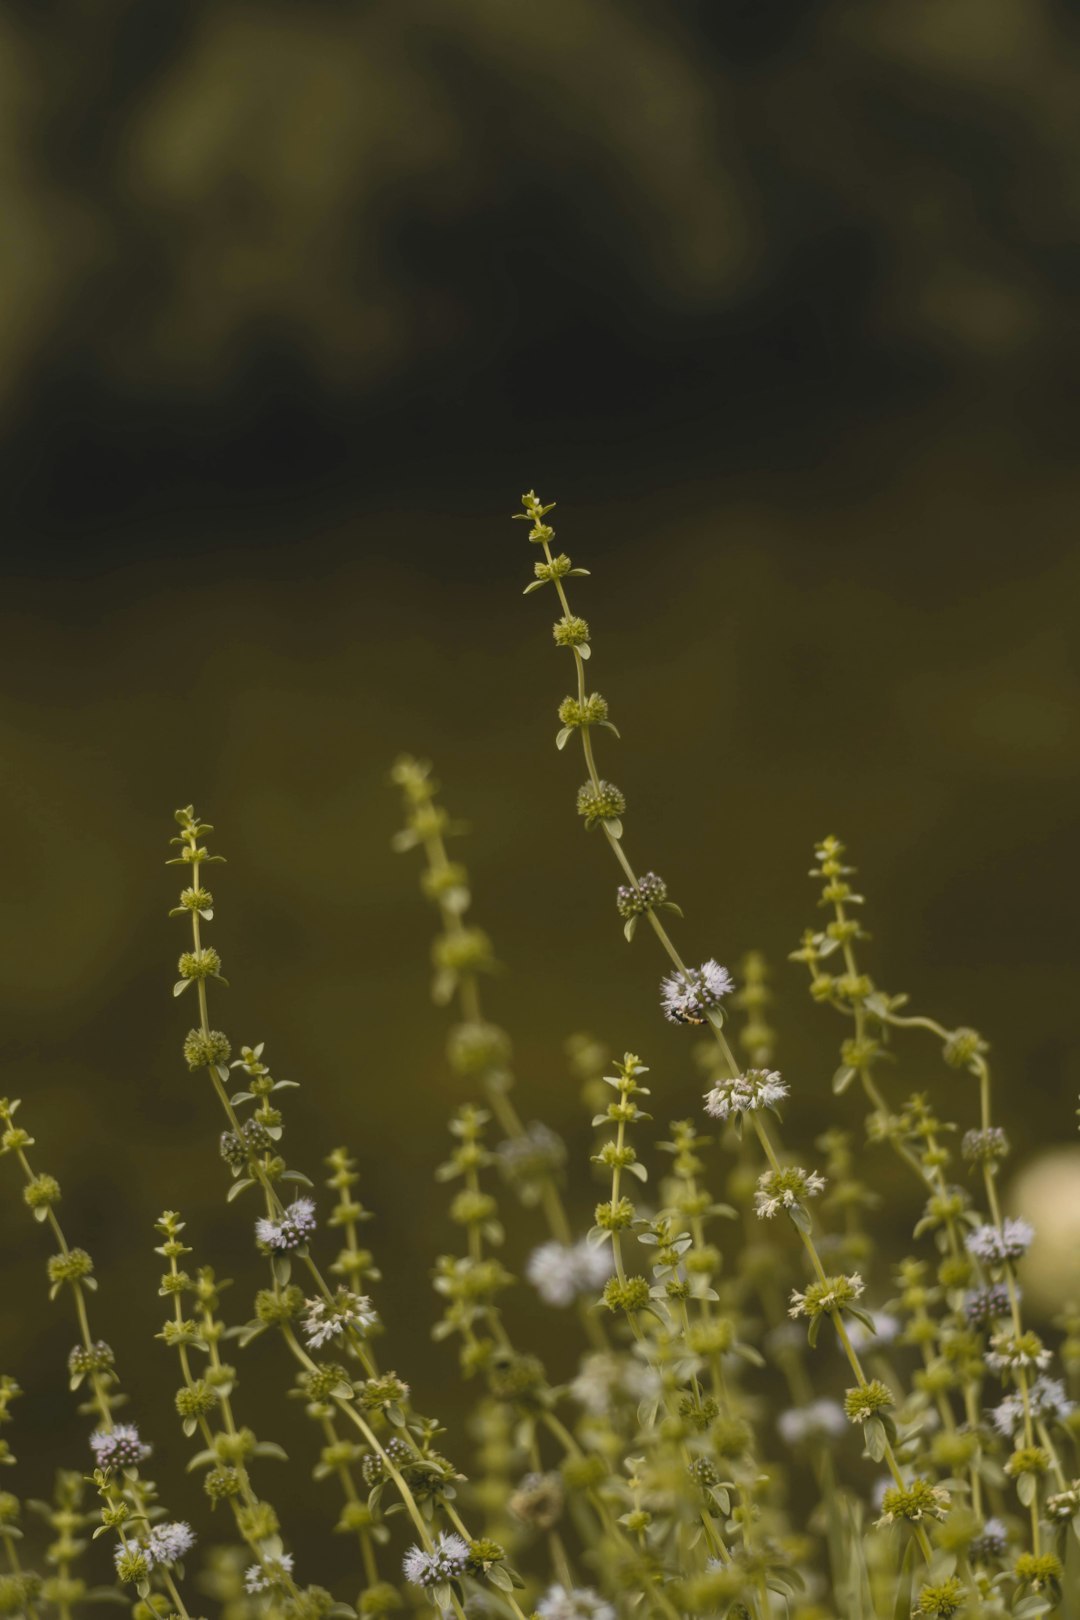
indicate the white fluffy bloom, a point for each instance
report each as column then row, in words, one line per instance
column 446, row 1560
column 993, row 1246
column 757, row 1088
column 292, row 1231
column 574, row 1603
column 687, row 998
column 167, row 1543
column 273, row 1572
column 562, row 1272
column 1007, row 1352
column 820, row 1420
column 118, row 1447
column 783, row 1189
column 331, row 1319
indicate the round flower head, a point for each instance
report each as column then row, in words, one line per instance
column 783, row 1189
column 168, row 1543
column 991, row 1542
column 688, row 998
column 330, row 1319
column 1046, row 1399
column 993, row 1246
column 270, row 1573
column 631, row 900
column 563, row 1272
column 823, row 1298
column 574, row 1603
column 119, row 1447
column 526, row 1161
column 291, row 1232
column 745, row 1094
column 983, row 1306
column 447, row 1559
column 604, row 802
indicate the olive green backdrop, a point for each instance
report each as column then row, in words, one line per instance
column 780, row 302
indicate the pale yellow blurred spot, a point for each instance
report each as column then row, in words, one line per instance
column 1047, row 1193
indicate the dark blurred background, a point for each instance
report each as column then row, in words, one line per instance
column 780, row 301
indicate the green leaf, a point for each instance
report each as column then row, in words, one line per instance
column 630, row 928
column 842, row 1079
column 238, row 1187
column 180, row 986
column 563, row 737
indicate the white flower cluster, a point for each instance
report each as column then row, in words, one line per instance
column 1046, row 1398
column 118, row 1447
column 994, row 1245
column 270, row 1573
column 564, row 1272
column 289, row 1233
column 745, row 1094
column 574, row 1603
column 446, row 1560
column 326, row 1319
column 165, row 1545
column 688, row 998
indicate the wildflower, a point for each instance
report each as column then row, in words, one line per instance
column 942, row 1598
column 562, row 1272
column 688, row 997
column 1065, row 1505
column 573, row 1603
column 476, row 1046
column 826, row 1297
column 820, row 1420
column 745, row 1094
column 1028, row 1460
column 132, row 1564
column 983, row 1147
column 206, row 1050
column 993, row 1245
column 329, row 1319
column 784, row 1189
column 1038, row 1570
column 203, row 964
column 289, row 1233
column 631, row 900
column 447, row 1559
column 867, row 1401
column 983, row 1306
column 990, row 1543
column 962, row 1046
column 270, row 1573
column 570, row 631
column 1046, row 1399
column 119, row 1447
column 84, row 1359
column 1009, row 1350
column 601, row 801
column 915, row 1502
column 591, row 711
column 167, row 1543
column 236, row 1148
column 530, row 1159
column 538, row 1500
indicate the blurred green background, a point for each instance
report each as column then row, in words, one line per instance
column 779, row 300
